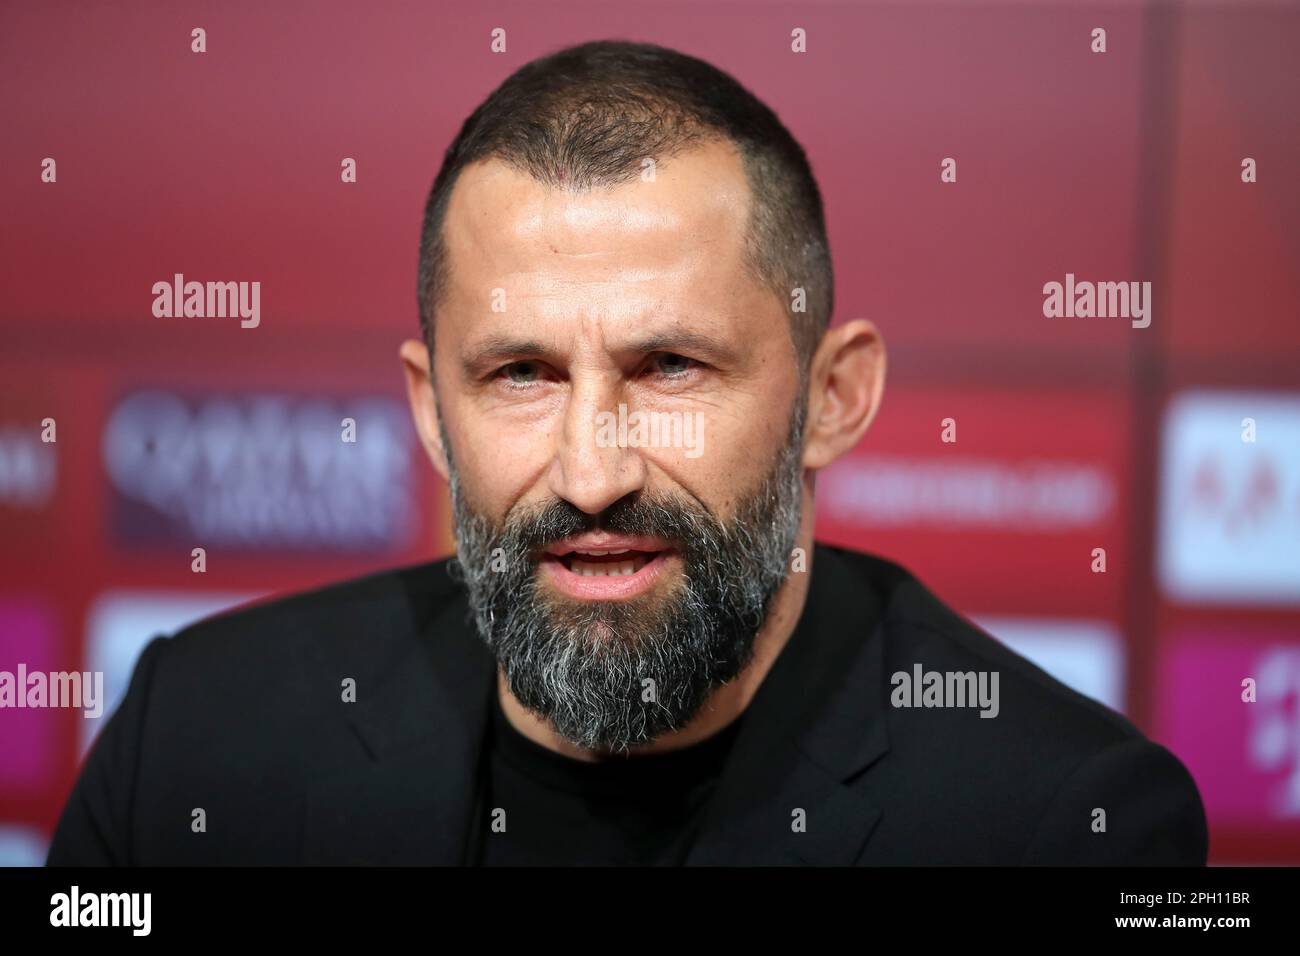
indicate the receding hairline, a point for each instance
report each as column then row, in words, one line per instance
column 697, row 144
column 589, row 115
column 484, row 165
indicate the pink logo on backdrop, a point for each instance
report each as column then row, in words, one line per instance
column 1245, row 756
column 27, row 736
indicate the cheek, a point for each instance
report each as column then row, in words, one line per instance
column 735, row 451
column 498, row 465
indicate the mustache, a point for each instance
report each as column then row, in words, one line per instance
column 673, row 518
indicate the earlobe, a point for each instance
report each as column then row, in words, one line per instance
column 846, row 382
column 424, row 402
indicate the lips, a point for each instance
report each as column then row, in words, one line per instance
column 598, row 566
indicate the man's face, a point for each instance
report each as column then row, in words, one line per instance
column 620, row 405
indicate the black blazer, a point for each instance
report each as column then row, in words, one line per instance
column 242, row 716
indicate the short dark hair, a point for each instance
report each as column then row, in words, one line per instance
column 588, row 115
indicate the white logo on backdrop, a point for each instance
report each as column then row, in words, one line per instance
column 1230, row 509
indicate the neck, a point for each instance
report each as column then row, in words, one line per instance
column 726, row 703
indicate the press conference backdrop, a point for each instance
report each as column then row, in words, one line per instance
column 968, row 153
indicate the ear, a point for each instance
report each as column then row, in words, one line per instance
column 424, row 402
column 847, row 377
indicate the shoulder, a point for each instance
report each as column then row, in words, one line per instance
column 375, row 611
column 236, row 716
column 398, row 600
column 1040, row 762
column 254, row 677
column 918, row 630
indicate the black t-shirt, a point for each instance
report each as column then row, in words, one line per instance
column 639, row 810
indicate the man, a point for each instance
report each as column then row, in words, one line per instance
column 639, row 656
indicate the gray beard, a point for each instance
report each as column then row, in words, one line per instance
column 608, row 675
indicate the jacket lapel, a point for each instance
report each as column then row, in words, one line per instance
column 409, row 797
column 815, row 725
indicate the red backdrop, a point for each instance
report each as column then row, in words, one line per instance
column 1072, row 434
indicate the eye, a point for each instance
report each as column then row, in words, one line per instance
column 672, row 364
column 520, row 373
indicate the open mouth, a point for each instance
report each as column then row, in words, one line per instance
column 605, row 569
column 607, row 563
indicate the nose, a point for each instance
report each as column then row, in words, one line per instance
column 592, row 468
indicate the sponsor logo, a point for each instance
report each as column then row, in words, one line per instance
column 261, row 471
column 1230, row 499
column 969, row 492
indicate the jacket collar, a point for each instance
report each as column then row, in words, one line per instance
column 815, row 724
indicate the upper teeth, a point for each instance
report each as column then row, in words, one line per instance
column 601, row 568
column 603, row 553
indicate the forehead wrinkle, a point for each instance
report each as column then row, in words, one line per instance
column 555, row 272
column 555, row 217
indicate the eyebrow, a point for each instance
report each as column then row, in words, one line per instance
column 686, row 342
column 497, row 348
